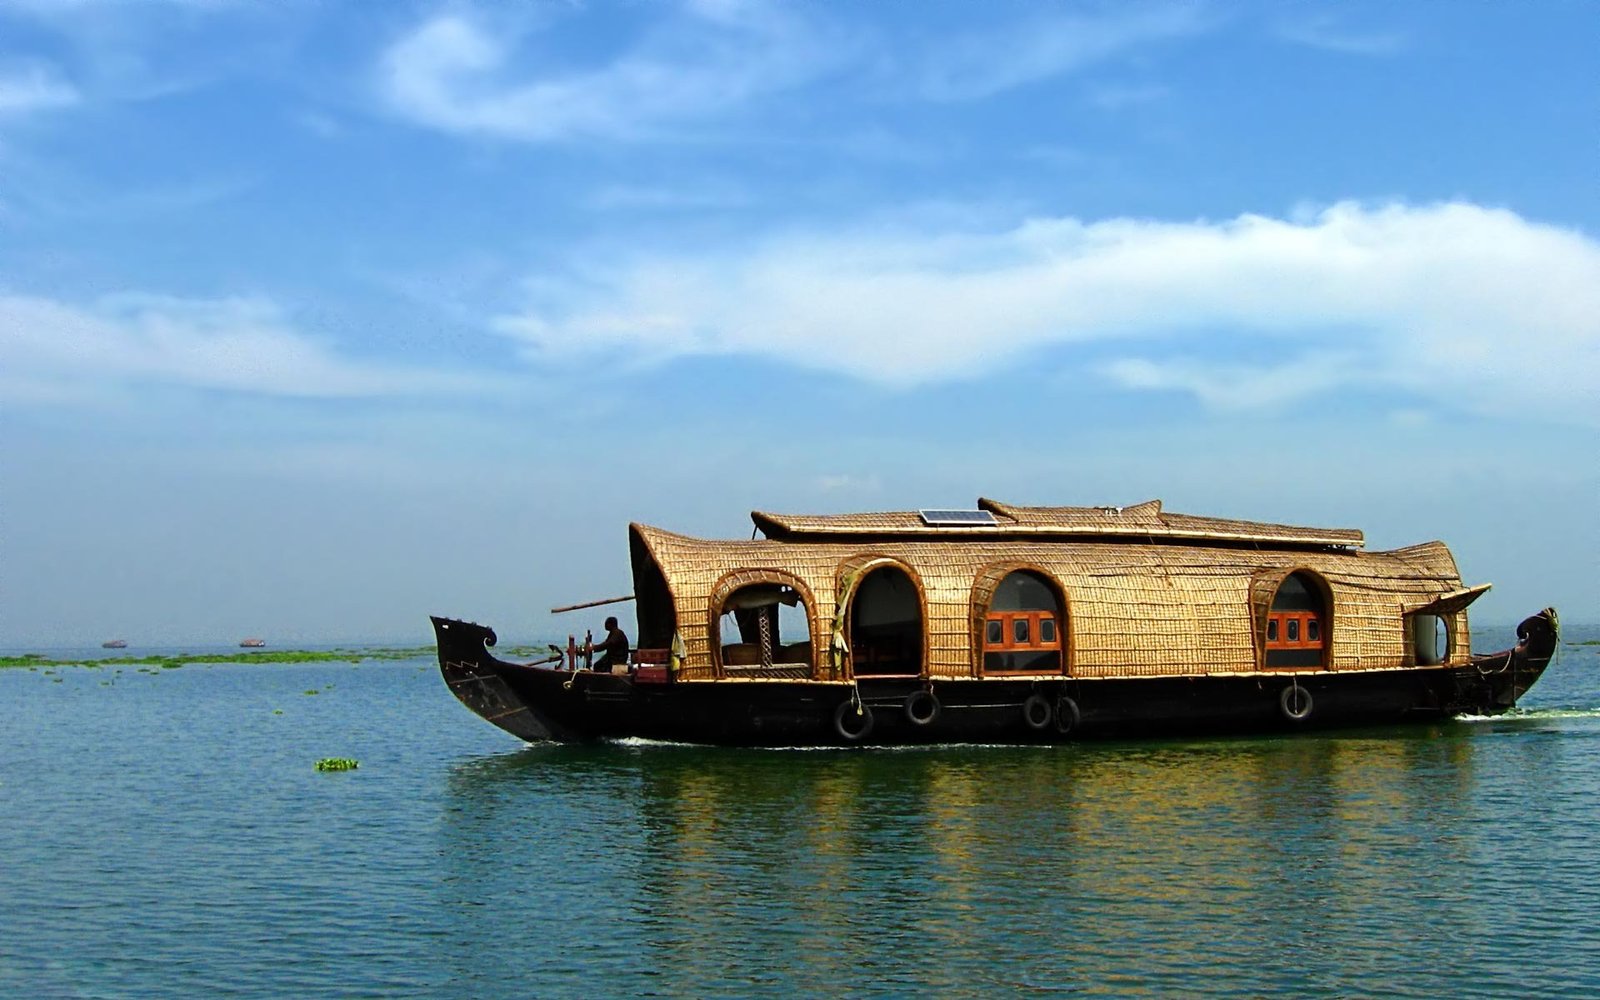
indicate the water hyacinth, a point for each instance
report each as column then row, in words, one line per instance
column 337, row 764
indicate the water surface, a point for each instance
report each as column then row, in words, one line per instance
column 166, row 833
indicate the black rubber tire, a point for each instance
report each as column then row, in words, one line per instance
column 922, row 708
column 1037, row 714
column 1295, row 703
column 1067, row 715
column 851, row 727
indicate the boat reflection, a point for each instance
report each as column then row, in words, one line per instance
column 988, row 864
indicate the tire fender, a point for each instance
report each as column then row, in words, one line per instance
column 852, row 721
column 922, row 708
column 1037, row 714
column 1067, row 715
column 1296, row 703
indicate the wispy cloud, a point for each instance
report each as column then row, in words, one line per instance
column 1324, row 31
column 33, row 86
column 698, row 197
column 456, row 74
column 52, row 351
column 987, row 62
column 1233, row 386
column 1448, row 300
column 1115, row 97
column 702, row 61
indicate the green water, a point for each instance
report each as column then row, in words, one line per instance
column 168, row 833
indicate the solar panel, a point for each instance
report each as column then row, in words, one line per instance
column 957, row 518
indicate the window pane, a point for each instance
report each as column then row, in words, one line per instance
column 1023, row 591
column 1020, row 632
column 1272, row 630
column 1314, row 630
column 1047, row 630
column 1293, row 633
column 996, row 634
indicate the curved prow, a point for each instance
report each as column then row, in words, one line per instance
column 1498, row 680
column 1538, row 635
column 473, row 676
column 461, row 641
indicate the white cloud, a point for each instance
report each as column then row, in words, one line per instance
column 1447, row 300
column 453, row 73
column 33, row 86
column 57, row 352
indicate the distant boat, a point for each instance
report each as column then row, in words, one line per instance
column 114, row 644
column 252, row 643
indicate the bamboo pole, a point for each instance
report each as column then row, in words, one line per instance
column 592, row 604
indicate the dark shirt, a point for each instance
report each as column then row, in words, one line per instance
column 615, row 648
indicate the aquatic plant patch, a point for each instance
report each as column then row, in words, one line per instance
column 171, row 662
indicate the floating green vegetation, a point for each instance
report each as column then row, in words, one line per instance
column 524, row 652
column 170, row 662
column 312, row 691
column 337, row 764
column 277, row 711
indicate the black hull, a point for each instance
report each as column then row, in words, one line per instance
column 538, row 703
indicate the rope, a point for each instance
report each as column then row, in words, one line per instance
column 1510, row 656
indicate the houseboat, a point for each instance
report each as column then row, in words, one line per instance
column 1009, row 624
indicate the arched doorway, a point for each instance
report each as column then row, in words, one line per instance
column 1024, row 626
column 1297, row 623
column 885, row 624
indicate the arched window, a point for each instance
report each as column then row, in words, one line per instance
column 765, row 631
column 1024, row 628
column 1297, row 624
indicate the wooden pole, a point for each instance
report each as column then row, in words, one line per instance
column 592, row 604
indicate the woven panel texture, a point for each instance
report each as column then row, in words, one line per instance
column 1133, row 609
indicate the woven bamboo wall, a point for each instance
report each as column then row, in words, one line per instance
column 1134, row 609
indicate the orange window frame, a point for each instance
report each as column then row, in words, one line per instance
column 1008, row 642
column 1303, row 621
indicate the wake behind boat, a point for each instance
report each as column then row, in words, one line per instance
column 1010, row 624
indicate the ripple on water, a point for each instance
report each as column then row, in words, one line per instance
column 170, row 836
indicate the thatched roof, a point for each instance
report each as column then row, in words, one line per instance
column 1146, row 593
column 1144, row 521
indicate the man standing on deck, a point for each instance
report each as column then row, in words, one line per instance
column 614, row 648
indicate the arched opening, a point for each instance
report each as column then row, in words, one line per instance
column 764, row 630
column 1297, row 624
column 1430, row 639
column 1024, row 628
column 885, row 625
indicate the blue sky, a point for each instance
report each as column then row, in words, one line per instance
column 318, row 318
